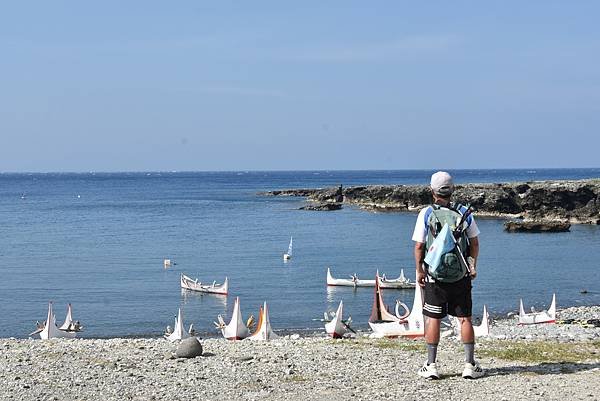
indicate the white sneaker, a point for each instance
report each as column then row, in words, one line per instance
column 429, row 371
column 472, row 371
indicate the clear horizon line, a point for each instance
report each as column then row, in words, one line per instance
column 290, row 171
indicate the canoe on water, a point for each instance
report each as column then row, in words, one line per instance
column 191, row 284
column 400, row 282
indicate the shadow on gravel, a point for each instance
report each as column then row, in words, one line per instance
column 543, row 369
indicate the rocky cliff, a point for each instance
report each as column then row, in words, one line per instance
column 573, row 201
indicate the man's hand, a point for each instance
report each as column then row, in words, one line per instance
column 420, row 275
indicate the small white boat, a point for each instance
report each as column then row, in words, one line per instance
column 385, row 324
column 178, row 332
column 400, row 283
column 263, row 332
column 336, row 327
column 288, row 255
column 483, row 330
column 167, row 263
column 188, row 283
column 546, row 316
column 69, row 324
column 48, row 329
column 235, row 329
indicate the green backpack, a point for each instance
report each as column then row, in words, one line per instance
column 453, row 266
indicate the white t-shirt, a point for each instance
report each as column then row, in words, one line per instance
column 420, row 233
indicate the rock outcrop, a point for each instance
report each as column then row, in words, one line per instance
column 572, row 201
column 537, row 226
column 328, row 206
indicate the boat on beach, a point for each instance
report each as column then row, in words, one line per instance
column 264, row 331
column 48, row 329
column 545, row 316
column 178, row 332
column 399, row 283
column 385, row 324
column 235, row 329
column 336, row 327
column 191, row 284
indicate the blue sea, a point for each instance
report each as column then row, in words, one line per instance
column 98, row 240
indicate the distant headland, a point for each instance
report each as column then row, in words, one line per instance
column 576, row 202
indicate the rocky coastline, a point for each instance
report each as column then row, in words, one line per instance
column 537, row 362
column 575, row 202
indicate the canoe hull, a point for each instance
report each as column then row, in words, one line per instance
column 235, row 329
column 399, row 283
column 336, row 328
column 385, row 324
column 547, row 316
column 187, row 283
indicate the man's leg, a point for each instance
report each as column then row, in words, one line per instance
column 468, row 338
column 432, row 338
column 433, row 310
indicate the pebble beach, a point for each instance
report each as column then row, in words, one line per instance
column 542, row 362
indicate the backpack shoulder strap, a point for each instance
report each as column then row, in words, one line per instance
column 427, row 215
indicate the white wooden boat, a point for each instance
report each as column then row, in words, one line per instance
column 69, row 324
column 483, row 330
column 401, row 282
column 263, row 332
column 178, row 332
column 336, row 327
column 546, row 316
column 385, row 324
column 235, row 329
column 48, row 329
column 188, row 283
column 288, row 255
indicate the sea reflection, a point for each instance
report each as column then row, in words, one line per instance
column 337, row 293
column 210, row 301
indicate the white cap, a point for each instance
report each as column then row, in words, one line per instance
column 442, row 184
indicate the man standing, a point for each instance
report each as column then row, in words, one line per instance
column 451, row 296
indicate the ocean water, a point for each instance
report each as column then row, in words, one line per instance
column 97, row 240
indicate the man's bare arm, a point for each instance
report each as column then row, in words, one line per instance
column 473, row 254
column 419, row 257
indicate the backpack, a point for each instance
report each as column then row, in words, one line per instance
column 453, row 266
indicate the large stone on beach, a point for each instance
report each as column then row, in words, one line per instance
column 534, row 226
column 189, row 348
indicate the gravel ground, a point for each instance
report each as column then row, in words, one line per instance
column 304, row 368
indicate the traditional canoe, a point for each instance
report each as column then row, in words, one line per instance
column 401, row 282
column 385, row 324
column 336, row 328
column 235, row 329
column 69, row 324
column 48, row 329
column 263, row 332
column 178, row 332
column 545, row 316
column 188, row 283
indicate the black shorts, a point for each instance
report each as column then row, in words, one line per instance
column 443, row 299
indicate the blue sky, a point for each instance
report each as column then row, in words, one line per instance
column 135, row 86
